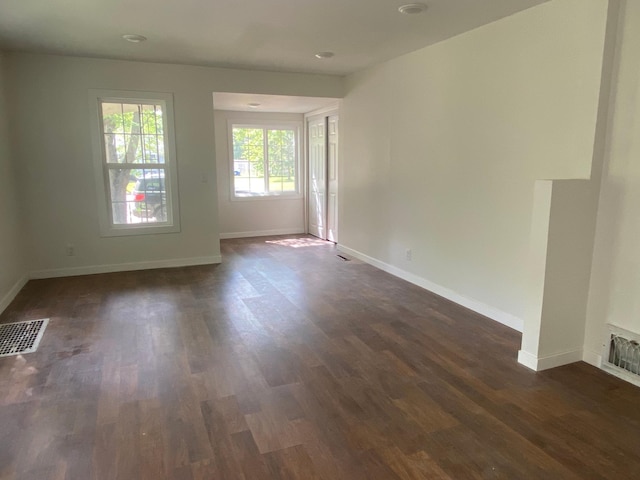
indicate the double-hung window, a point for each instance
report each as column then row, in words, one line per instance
column 135, row 162
column 265, row 159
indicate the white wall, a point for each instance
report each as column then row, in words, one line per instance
column 614, row 295
column 562, row 243
column 561, row 248
column 12, row 261
column 255, row 216
column 49, row 114
column 442, row 148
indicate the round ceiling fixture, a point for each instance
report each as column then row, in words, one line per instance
column 134, row 38
column 323, row 55
column 412, row 8
column 253, row 105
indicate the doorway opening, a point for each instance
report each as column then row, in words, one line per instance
column 248, row 170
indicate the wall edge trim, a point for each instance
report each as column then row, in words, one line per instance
column 592, row 358
column 493, row 313
column 263, row 233
column 528, row 360
column 13, row 292
column 538, row 364
column 125, row 267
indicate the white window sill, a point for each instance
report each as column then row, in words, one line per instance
column 258, row 197
column 128, row 230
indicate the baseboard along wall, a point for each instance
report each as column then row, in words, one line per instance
column 487, row 310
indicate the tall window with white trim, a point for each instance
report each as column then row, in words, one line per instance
column 135, row 163
column 265, row 160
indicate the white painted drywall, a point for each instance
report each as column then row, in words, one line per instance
column 562, row 243
column 255, row 216
column 536, row 267
column 442, row 148
column 49, row 114
column 568, row 267
column 12, row 260
column 614, row 295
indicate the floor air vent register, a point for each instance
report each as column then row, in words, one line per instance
column 21, row 337
column 621, row 354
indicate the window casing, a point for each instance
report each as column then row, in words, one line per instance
column 264, row 159
column 135, row 162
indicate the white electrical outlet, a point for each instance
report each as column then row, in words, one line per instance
column 71, row 249
column 408, row 254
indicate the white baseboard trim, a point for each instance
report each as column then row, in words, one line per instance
column 550, row 361
column 125, row 267
column 263, row 233
column 13, row 292
column 488, row 311
column 592, row 358
column 528, row 360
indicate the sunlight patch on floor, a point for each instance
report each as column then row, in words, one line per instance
column 299, row 242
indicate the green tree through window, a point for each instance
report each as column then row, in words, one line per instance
column 135, row 162
column 134, row 148
column 264, row 160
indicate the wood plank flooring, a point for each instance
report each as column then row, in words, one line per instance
column 287, row 362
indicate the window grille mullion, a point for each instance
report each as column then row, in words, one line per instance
column 141, row 136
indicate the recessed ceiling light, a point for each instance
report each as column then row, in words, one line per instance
column 323, row 55
column 253, row 105
column 134, row 38
column 412, row 8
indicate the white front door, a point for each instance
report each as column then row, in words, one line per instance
column 332, row 177
column 317, row 177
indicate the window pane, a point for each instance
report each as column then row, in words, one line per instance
column 150, row 149
column 159, row 120
column 112, row 117
column 256, row 185
column 276, row 184
column 248, row 160
column 251, row 168
column 160, row 148
column 138, row 196
column 149, row 122
column 282, row 161
column 114, row 144
column 133, row 149
column 135, row 162
column 133, row 132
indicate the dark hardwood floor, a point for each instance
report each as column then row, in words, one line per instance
column 287, row 362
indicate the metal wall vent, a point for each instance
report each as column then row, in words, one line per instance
column 621, row 354
column 21, row 337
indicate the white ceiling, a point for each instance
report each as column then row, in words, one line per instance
column 272, row 35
